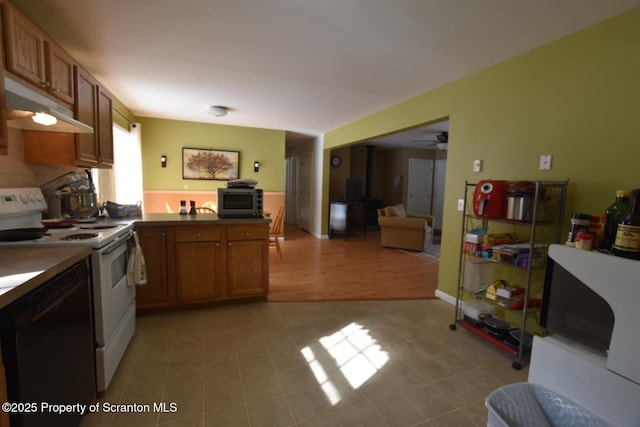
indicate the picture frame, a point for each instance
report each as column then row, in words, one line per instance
column 210, row 164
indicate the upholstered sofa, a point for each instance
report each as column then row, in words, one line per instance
column 399, row 230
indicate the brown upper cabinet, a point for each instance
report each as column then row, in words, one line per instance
column 35, row 58
column 93, row 108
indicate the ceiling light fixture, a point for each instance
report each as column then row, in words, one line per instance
column 218, row 110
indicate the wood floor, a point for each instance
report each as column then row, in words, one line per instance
column 313, row 269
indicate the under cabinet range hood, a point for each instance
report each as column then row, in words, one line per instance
column 28, row 110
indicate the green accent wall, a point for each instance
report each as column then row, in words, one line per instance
column 577, row 99
column 168, row 137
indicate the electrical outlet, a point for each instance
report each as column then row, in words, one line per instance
column 460, row 204
column 477, row 165
column 545, row 162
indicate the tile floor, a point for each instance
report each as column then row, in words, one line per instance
column 380, row 363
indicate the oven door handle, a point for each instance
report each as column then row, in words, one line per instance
column 116, row 244
column 56, row 304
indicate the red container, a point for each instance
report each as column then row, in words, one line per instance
column 490, row 199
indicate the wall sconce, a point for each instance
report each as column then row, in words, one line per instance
column 163, row 161
column 256, row 166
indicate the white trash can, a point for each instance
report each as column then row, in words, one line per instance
column 531, row 405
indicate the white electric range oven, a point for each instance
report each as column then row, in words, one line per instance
column 113, row 300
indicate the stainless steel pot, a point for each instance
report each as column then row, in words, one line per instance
column 83, row 204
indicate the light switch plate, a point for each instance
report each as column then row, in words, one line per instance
column 545, row 162
column 477, row 165
column 460, row 204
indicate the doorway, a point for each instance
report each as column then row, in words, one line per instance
column 415, row 164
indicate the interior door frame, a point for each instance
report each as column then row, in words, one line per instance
column 439, row 180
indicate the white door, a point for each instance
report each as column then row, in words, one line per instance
column 438, row 193
column 305, row 172
column 420, row 187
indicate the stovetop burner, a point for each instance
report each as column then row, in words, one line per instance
column 98, row 226
column 79, row 236
column 86, row 220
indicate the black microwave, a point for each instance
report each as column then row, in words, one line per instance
column 240, row 203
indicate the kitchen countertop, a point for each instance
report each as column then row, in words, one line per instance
column 24, row 269
column 200, row 219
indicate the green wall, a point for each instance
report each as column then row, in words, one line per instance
column 160, row 136
column 577, row 98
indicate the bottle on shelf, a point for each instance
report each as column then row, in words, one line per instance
column 183, row 207
column 614, row 213
column 627, row 242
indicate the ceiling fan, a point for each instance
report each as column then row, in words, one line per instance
column 441, row 141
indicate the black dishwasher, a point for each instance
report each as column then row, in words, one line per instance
column 48, row 348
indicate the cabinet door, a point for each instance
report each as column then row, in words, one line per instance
column 25, row 47
column 247, row 268
column 199, row 264
column 198, row 271
column 105, row 127
column 59, row 71
column 85, row 111
column 154, row 246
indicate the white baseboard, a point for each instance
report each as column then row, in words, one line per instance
column 445, row 297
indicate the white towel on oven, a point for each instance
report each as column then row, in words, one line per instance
column 136, row 268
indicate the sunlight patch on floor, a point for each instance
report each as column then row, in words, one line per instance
column 356, row 354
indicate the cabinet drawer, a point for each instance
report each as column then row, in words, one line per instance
column 247, row 233
column 197, row 235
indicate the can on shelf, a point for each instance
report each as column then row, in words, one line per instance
column 579, row 223
column 584, row 241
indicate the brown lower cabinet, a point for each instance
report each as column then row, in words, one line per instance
column 153, row 241
column 199, row 264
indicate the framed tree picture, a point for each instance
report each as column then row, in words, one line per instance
column 201, row 163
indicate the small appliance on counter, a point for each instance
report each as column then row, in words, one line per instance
column 71, row 195
column 240, row 200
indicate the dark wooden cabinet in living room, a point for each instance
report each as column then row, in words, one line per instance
column 345, row 217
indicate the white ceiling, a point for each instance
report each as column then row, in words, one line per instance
column 306, row 66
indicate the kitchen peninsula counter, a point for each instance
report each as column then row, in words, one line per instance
column 201, row 218
column 24, row 269
column 201, row 259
